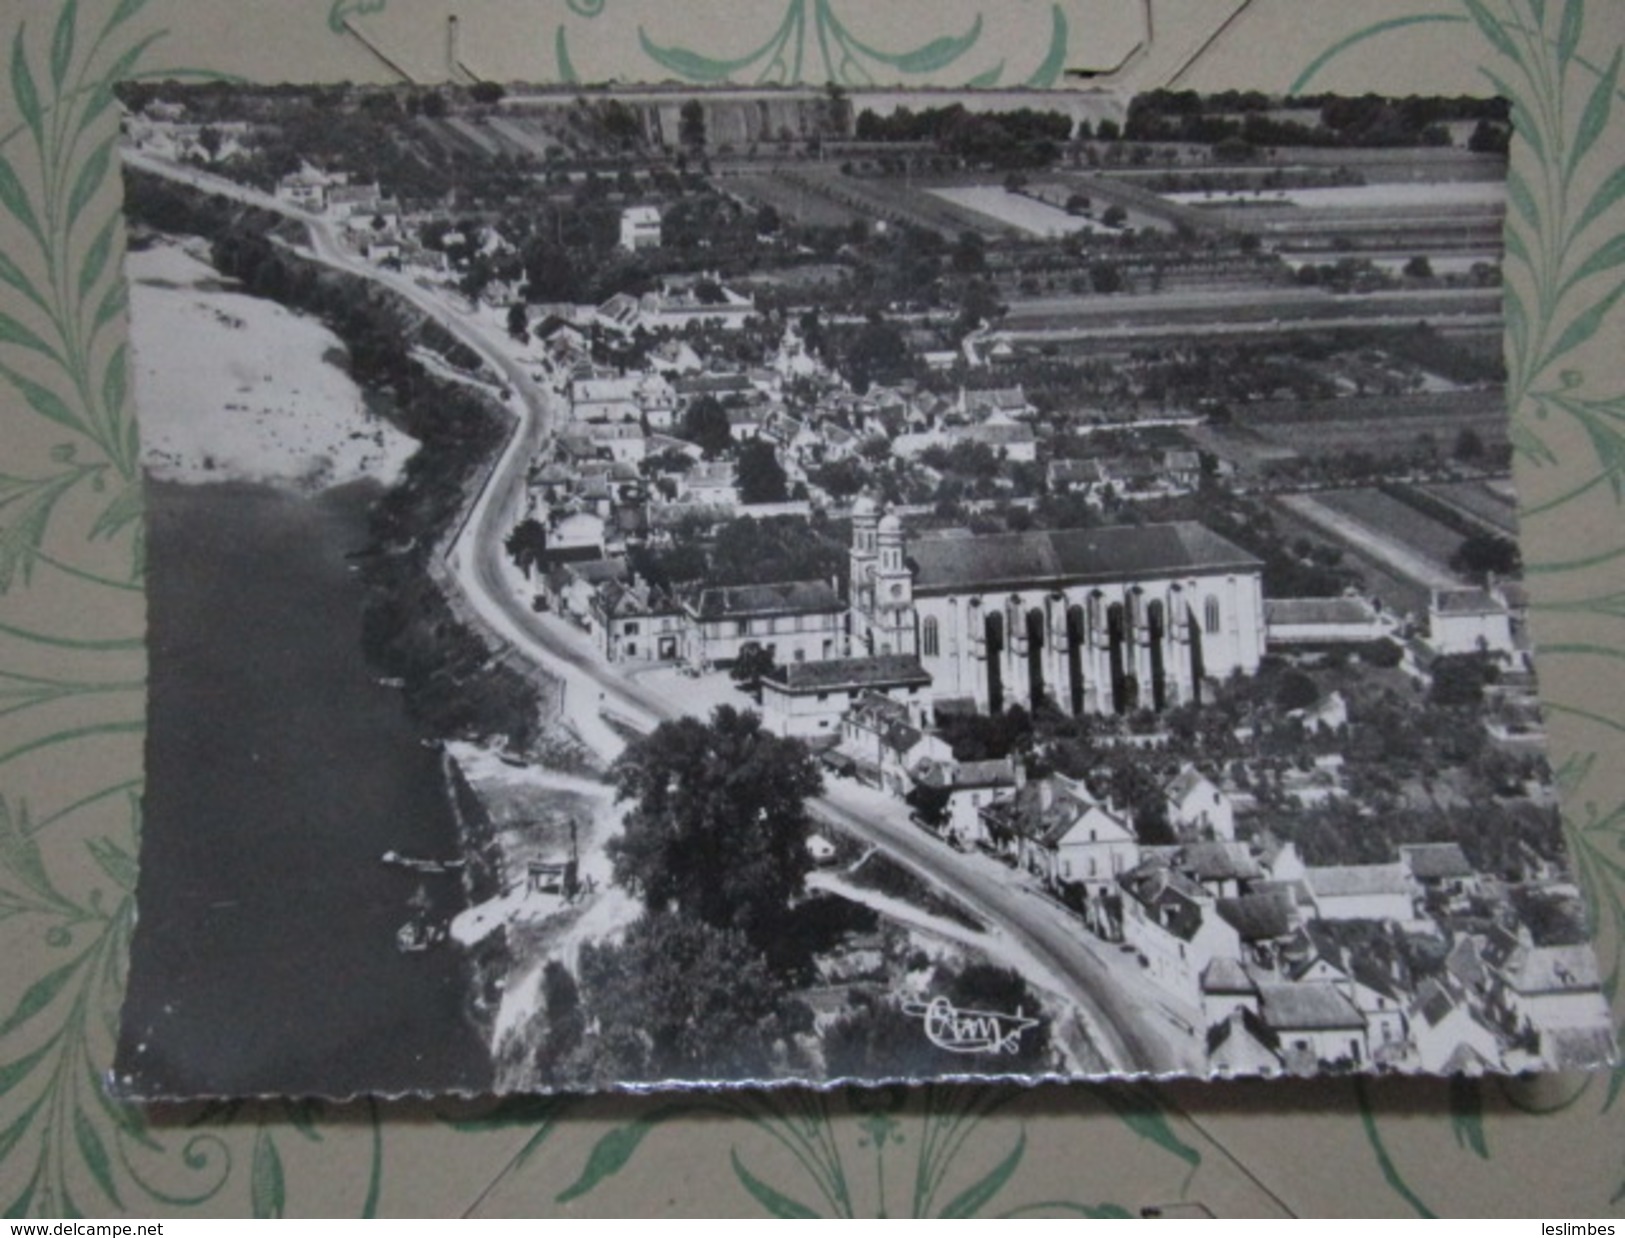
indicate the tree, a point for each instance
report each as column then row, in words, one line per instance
column 566, row 1024
column 1489, row 139
column 691, row 125
column 978, row 304
column 969, row 253
column 755, row 662
column 1295, row 691
column 680, row 998
column 1114, row 216
column 1106, row 277
column 1469, row 445
column 527, row 545
column 717, row 830
column 1483, row 554
column 761, row 476
column 705, row 424
column 930, row 803
column 550, row 272
column 1382, row 652
column 1459, row 679
column 486, row 92
column 518, row 322
column 1419, row 267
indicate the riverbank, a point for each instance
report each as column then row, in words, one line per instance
column 237, row 388
column 279, row 771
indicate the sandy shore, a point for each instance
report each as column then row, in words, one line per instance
column 230, row 387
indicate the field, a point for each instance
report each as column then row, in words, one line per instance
column 1018, row 211
column 898, row 202
column 1487, row 402
column 791, row 200
column 1389, row 518
column 1383, row 425
column 1381, row 437
column 1392, row 196
column 1398, row 575
column 1480, row 502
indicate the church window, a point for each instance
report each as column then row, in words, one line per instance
column 929, row 642
column 1210, row 617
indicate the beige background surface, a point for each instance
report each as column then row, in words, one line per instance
column 71, row 661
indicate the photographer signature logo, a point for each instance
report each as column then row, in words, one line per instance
column 969, row 1031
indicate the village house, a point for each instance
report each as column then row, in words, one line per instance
column 1365, row 963
column 575, row 534
column 970, row 787
column 1316, row 1024
column 1262, row 921
column 573, row 586
column 1197, row 808
column 1449, row 1038
column 713, row 482
column 879, row 736
column 1223, row 869
column 623, row 442
column 1321, row 623
column 807, row 699
column 1362, row 892
column 1228, row 988
column 1081, row 477
column 631, row 621
column 1170, row 921
column 1441, row 872
column 1469, row 621
column 640, row 228
column 796, row 621
column 1242, row 1047
column 1543, row 990
column 1065, row 835
column 603, row 399
column 1010, row 402
column 1015, row 442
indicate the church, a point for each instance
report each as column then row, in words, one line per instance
column 1096, row 621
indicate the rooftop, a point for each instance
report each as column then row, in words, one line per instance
column 1318, row 611
column 1436, row 861
column 1218, row 861
column 1054, row 557
column 1552, row 969
column 885, row 670
column 1307, row 1007
column 1224, row 975
column 1353, row 880
column 797, row 597
column 1466, row 602
column 1258, row 917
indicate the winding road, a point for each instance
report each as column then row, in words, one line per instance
column 1126, row 1015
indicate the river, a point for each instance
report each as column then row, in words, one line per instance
column 279, row 770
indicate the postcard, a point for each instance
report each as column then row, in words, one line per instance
column 690, row 588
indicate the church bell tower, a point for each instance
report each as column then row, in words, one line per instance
column 893, row 611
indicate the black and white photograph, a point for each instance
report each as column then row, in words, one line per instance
column 677, row 587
